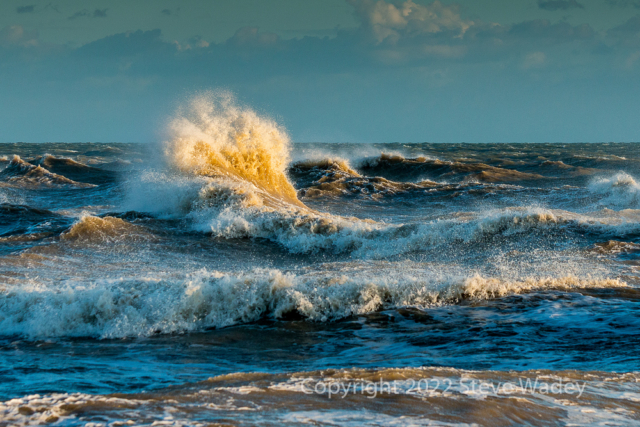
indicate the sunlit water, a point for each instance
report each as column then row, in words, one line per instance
column 140, row 289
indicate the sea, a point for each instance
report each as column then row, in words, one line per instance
column 226, row 275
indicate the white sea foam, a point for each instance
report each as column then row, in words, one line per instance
column 231, row 209
column 145, row 305
column 620, row 190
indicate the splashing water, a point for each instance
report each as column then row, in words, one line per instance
column 214, row 136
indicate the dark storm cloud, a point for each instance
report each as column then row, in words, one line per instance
column 26, row 9
column 98, row 13
column 559, row 4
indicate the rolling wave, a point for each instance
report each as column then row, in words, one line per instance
column 22, row 174
column 333, row 177
column 211, row 299
column 399, row 168
column 620, row 190
column 74, row 170
column 107, row 230
column 24, row 220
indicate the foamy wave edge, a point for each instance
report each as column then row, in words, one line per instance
column 212, row 299
column 233, row 210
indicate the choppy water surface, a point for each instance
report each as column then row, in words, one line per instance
column 221, row 276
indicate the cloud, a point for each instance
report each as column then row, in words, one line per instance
column 132, row 43
column 627, row 34
column 630, row 28
column 386, row 22
column 251, row 37
column 534, row 60
column 429, row 59
column 624, row 3
column 632, row 59
column 559, row 4
column 16, row 36
column 80, row 14
column 53, row 7
column 170, row 12
column 410, row 33
column 26, row 9
column 98, row 13
column 544, row 29
column 193, row 42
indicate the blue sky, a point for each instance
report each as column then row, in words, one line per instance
column 331, row 70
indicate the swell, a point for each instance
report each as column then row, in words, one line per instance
column 20, row 173
column 233, row 211
column 148, row 305
column 307, row 172
column 332, row 177
column 374, row 187
column 22, row 220
column 399, row 168
column 404, row 168
column 75, row 170
column 335, row 177
column 106, row 230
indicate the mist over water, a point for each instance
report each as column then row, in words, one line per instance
column 216, row 272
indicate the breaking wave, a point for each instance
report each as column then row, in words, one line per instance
column 331, row 177
column 374, row 187
column 615, row 247
column 620, row 190
column 214, row 137
column 324, row 165
column 26, row 175
column 145, row 306
column 91, row 229
column 236, row 211
column 72, row 169
column 228, row 176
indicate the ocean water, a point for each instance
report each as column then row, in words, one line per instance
column 227, row 276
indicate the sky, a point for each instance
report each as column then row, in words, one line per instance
column 326, row 70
